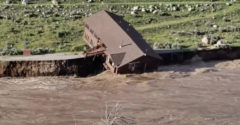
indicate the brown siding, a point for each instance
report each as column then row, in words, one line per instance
column 89, row 38
column 145, row 64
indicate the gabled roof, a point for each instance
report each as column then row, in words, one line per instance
column 118, row 58
column 119, row 37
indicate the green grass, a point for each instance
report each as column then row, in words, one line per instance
column 43, row 33
column 189, row 19
column 65, row 34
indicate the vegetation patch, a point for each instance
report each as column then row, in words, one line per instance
column 165, row 25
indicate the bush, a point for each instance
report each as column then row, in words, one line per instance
column 41, row 51
column 10, row 52
column 79, row 48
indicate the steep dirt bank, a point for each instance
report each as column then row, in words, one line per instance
column 181, row 56
column 24, row 68
column 59, row 65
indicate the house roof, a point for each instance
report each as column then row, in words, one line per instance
column 119, row 37
column 118, row 58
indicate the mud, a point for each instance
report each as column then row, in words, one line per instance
column 196, row 94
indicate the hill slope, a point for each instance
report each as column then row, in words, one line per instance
column 170, row 24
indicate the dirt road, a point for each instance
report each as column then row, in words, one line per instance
column 197, row 94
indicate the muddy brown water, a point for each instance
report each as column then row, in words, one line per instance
column 197, row 94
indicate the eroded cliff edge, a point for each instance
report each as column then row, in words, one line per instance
column 80, row 67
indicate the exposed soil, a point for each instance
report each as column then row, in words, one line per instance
column 197, row 94
column 49, row 65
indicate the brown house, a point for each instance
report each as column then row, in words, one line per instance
column 123, row 47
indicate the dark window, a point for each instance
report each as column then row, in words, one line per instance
column 86, row 36
column 92, row 43
column 86, row 26
column 91, row 31
column 96, row 36
column 133, row 66
column 110, row 62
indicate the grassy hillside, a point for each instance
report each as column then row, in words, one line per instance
column 171, row 23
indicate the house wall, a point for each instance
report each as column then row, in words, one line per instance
column 144, row 64
column 90, row 38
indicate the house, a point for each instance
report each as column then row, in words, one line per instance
column 124, row 49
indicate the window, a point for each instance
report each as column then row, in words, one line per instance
column 86, row 26
column 111, row 62
column 86, row 36
column 91, row 31
column 92, row 43
column 95, row 36
column 133, row 66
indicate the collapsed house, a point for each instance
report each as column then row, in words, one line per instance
column 124, row 49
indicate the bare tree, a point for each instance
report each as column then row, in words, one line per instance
column 113, row 116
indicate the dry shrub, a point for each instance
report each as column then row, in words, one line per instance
column 113, row 116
